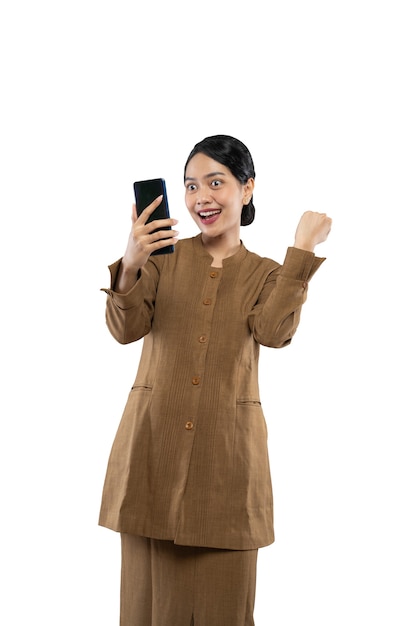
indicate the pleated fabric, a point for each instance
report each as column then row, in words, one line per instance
column 163, row 584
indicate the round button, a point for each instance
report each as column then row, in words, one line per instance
column 213, row 274
column 196, row 380
column 189, row 425
column 202, row 339
column 207, row 301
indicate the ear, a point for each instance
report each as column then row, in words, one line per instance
column 248, row 188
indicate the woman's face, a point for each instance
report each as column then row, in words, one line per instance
column 214, row 197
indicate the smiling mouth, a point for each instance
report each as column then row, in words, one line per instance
column 205, row 215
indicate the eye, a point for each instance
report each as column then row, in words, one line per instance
column 216, row 182
column 191, row 187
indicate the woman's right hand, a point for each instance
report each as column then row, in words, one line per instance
column 143, row 240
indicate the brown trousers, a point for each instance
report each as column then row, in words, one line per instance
column 163, row 584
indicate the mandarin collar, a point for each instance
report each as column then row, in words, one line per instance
column 200, row 250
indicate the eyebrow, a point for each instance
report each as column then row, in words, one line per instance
column 207, row 175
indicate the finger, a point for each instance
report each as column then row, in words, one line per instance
column 147, row 212
column 162, row 243
column 164, row 224
column 162, row 235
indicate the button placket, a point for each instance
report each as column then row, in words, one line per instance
column 207, row 302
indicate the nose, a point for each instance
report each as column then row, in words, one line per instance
column 203, row 195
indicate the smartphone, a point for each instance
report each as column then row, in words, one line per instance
column 146, row 191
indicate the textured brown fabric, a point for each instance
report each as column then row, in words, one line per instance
column 167, row 585
column 190, row 462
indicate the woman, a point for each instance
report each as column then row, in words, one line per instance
column 188, row 482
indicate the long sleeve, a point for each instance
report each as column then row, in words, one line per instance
column 276, row 315
column 129, row 315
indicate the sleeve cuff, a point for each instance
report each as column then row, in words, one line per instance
column 122, row 300
column 300, row 264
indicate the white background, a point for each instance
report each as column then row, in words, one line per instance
column 95, row 95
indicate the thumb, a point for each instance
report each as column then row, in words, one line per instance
column 134, row 214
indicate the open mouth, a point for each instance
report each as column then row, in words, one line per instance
column 207, row 216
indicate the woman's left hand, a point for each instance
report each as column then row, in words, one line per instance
column 313, row 228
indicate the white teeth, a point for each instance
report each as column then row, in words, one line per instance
column 208, row 213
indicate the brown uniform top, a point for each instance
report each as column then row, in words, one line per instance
column 190, row 462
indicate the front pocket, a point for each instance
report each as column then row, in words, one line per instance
column 142, row 387
column 248, row 402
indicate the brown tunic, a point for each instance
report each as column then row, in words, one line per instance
column 190, row 462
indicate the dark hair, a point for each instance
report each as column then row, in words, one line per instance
column 233, row 154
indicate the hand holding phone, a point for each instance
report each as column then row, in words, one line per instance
column 146, row 191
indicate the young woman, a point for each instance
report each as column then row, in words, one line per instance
column 188, row 482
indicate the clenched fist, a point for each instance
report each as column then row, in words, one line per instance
column 313, row 228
